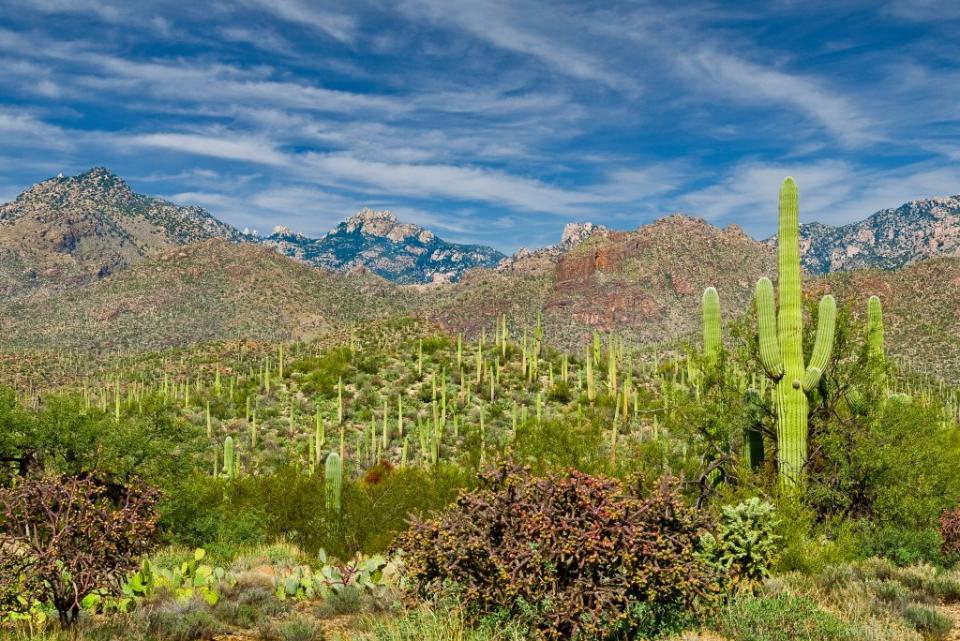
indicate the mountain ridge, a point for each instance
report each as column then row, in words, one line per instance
column 376, row 240
column 888, row 239
column 66, row 231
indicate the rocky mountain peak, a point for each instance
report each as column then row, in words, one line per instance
column 69, row 230
column 96, row 187
column 367, row 215
column 575, row 233
column 889, row 239
column 283, row 231
column 385, row 224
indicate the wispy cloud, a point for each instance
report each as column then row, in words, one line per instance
column 506, row 25
column 831, row 192
column 340, row 26
column 749, row 82
column 490, row 120
column 244, row 149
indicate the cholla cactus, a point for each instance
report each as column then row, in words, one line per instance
column 781, row 342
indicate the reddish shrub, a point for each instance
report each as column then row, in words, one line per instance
column 62, row 538
column 590, row 559
column 376, row 474
column 950, row 532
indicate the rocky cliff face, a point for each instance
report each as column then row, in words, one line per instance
column 645, row 284
column 573, row 234
column 69, row 230
column 889, row 239
column 379, row 242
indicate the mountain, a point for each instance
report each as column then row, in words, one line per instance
column 573, row 234
column 376, row 240
column 889, row 239
column 921, row 310
column 212, row 290
column 645, row 284
column 65, row 232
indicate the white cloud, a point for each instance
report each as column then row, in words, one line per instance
column 243, row 149
column 748, row 82
column 924, row 10
column 503, row 25
column 831, row 192
column 106, row 11
column 465, row 183
column 339, row 26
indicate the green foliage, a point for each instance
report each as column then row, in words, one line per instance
column 288, row 504
column 182, row 621
column 780, row 618
column 744, row 545
column 928, row 621
column 66, row 437
column 891, row 473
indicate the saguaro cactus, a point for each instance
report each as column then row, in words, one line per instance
column 711, row 328
column 333, row 482
column 781, row 341
column 228, row 465
column 876, row 357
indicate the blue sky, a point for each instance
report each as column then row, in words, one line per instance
column 487, row 121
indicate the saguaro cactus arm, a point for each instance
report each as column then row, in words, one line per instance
column 823, row 345
column 767, row 325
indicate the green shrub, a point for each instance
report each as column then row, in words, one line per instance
column 892, row 473
column 946, row 587
column 559, row 392
column 289, row 504
column 902, row 545
column 744, row 545
column 928, row 621
column 246, row 605
column 808, row 545
column 587, row 558
column 298, row 628
column 175, row 621
column 893, row 594
column 447, row 621
column 780, row 618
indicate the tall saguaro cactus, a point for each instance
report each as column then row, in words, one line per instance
column 781, row 341
column 333, row 482
column 228, row 464
column 711, row 327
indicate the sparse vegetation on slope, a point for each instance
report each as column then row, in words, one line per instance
column 202, row 292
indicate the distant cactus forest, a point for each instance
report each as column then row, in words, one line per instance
column 775, row 476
